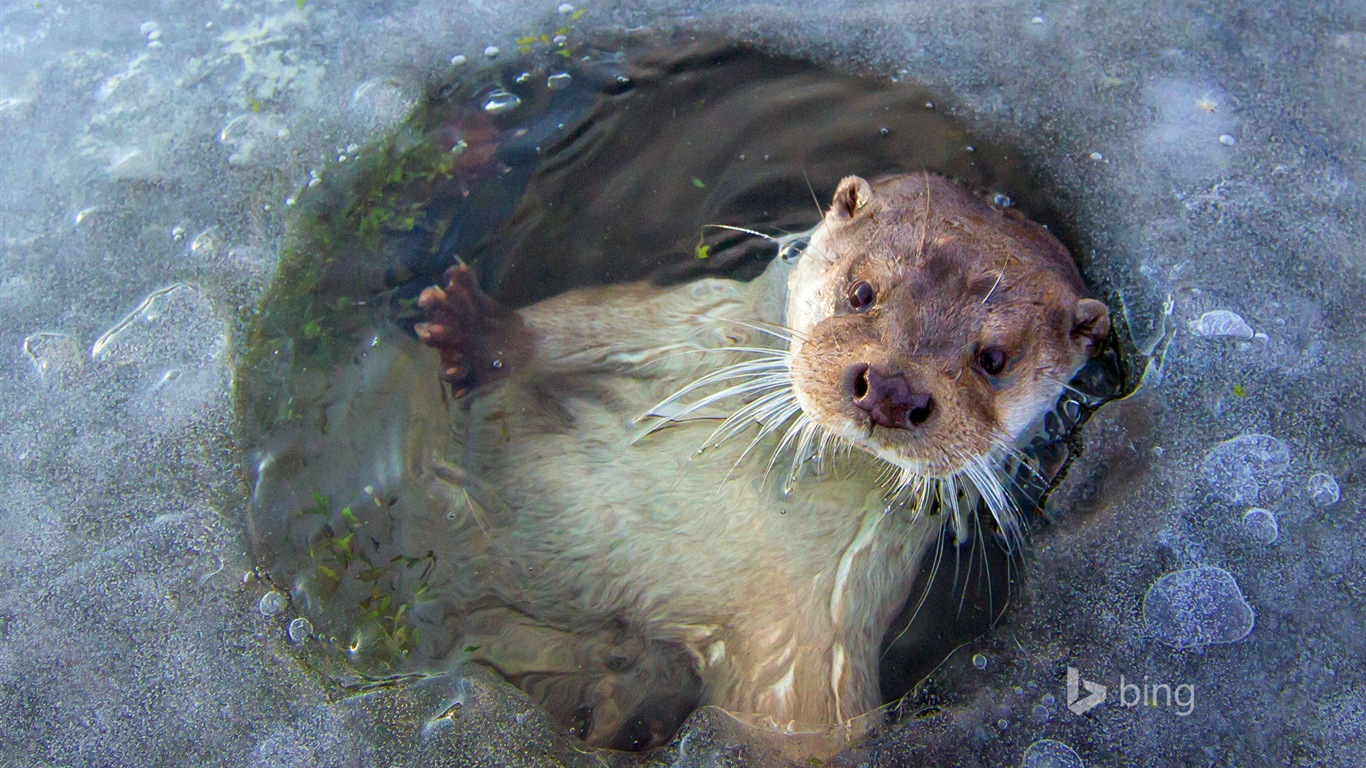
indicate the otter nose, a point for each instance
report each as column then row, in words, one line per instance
column 889, row 399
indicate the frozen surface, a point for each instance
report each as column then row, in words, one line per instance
column 1208, row 160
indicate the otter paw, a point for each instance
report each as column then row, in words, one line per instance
column 476, row 336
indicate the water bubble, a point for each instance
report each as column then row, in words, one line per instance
column 500, row 101
column 1261, row 525
column 1197, row 607
column 1239, row 470
column 979, row 661
column 1047, row 753
column 1221, row 322
column 492, row 52
column 1323, row 489
column 300, row 630
column 271, row 603
column 558, row 81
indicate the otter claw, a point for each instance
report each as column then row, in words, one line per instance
column 468, row 328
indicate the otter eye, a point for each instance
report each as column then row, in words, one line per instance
column 861, row 296
column 992, row 361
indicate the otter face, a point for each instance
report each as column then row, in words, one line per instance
column 930, row 328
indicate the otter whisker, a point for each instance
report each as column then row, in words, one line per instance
column 774, row 329
column 770, row 426
column 803, row 420
column 732, row 228
column 740, row 420
column 756, row 386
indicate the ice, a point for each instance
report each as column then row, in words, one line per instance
column 129, row 636
column 1195, row 607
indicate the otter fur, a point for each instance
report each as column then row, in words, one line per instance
column 719, row 493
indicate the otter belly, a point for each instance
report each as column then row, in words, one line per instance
column 660, row 558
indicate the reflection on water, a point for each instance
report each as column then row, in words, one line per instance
column 549, row 173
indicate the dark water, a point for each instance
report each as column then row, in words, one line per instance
column 549, row 173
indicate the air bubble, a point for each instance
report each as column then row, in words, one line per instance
column 1047, row 753
column 1097, row 156
column 558, row 81
column 565, row 9
column 1323, row 489
column 458, row 60
column 1261, row 525
column 492, row 52
column 1221, row 323
column 979, row 661
column 271, row 603
column 1240, row 470
column 1197, row 607
column 1227, row 140
column 300, row 630
column 500, row 101
column 1003, row 200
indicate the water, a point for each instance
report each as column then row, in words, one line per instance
column 547, row 173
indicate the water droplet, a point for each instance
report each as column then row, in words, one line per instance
column 558, row 81
column 1221, row 322
column 1241, row 469
column 1261, row 525
column 300, row 630
column 271, row 603
column 1047, row 753
column 1323, row 489
column 500, row 101
column 979, row 661
column 1197, row 607
column 492, row 52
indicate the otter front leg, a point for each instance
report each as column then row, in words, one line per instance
column 479, row 339
column 642, row 330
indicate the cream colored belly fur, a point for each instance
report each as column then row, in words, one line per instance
column 587, row 522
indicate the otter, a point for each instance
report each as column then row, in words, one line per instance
column 720, row 493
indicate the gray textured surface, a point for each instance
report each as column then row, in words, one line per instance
column 133, row 158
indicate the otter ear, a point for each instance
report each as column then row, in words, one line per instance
column 852, row 194
column 1090, row 324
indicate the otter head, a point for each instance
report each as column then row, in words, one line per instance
column 931, row 328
